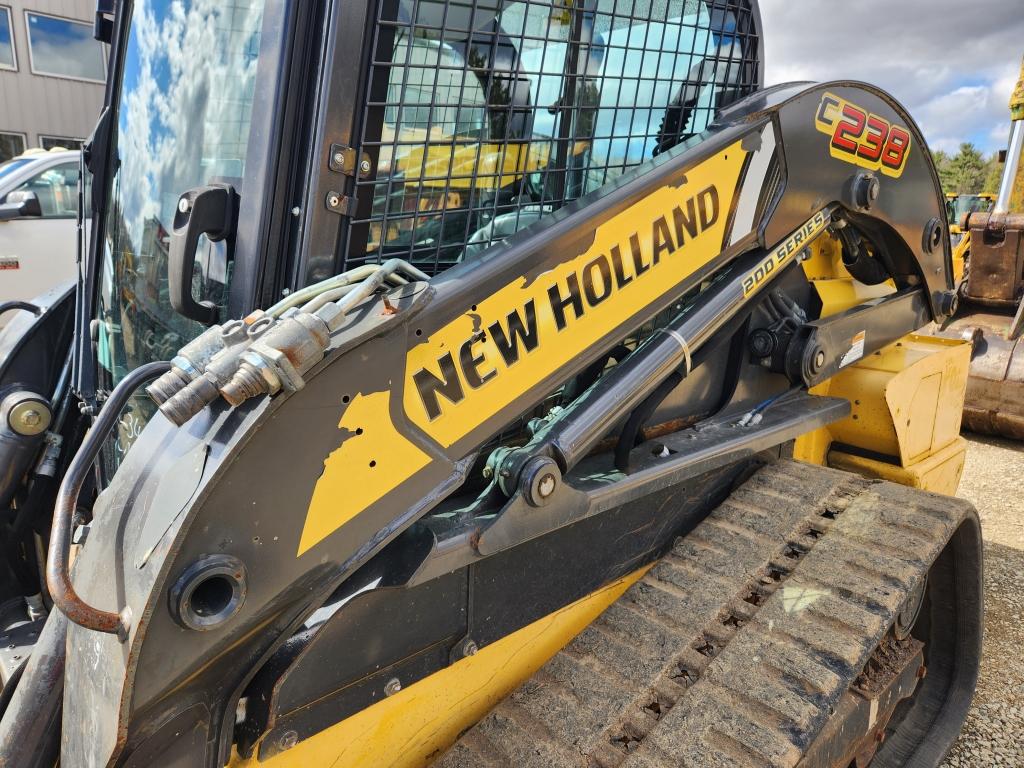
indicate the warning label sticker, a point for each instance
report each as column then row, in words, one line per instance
column 856, row 350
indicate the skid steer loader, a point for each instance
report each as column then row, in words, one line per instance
column 988, row 264
column 457, row 383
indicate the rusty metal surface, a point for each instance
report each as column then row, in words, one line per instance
column 737, row 648
column 995, row 275
column 994, row 402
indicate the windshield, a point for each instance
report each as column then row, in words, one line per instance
column 966, row 204
column 181, row 121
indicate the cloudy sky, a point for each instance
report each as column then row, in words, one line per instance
column 952, row 63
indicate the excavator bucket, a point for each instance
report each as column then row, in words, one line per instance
column 992, row 289
column 989, row 266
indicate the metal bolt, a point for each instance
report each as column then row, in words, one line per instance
column 31, row 418
column 288, row 740
column 296, row 211
column 546, row 486
column 394, row 685
column 488, row 472
column 364, row 166
column 339, row 159
column 819, row 359
column 183, row 205
column 16, row 657
column 333, row 200
column 469, row 648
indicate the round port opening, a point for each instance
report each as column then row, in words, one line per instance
column 209, row 592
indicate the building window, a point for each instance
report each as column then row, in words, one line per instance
column 11, row 144
column 64, row 48
column 52, row 142
column 7, row 58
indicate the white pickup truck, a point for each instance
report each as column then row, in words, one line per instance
column 38, row 212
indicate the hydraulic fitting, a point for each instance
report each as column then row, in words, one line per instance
column 187, row 401
column 192, row 359
column 279, row 359
column 274, row 356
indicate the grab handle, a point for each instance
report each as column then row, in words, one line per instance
column 58, row 575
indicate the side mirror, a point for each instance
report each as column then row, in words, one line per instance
column 20, row 203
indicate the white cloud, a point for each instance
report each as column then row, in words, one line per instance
column 952, row 64
column 184, row 118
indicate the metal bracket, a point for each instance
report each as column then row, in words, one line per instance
column 342, row 159
column 343, row 205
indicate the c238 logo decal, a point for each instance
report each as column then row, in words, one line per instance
column 859, row 137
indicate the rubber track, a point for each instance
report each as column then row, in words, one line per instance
column 734, row 648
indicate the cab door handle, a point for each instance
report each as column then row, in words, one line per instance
column 211, row 210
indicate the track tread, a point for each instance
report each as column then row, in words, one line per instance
column 734, row 648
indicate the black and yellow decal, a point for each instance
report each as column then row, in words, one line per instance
column 522, row 333
column 784, row 252
column 862, row 138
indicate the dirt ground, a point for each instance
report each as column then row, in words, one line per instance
column 994, row 481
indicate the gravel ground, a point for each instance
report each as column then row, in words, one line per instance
column 994, row 481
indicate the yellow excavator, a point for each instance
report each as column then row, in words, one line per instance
column 487, row 384
column 988, row 263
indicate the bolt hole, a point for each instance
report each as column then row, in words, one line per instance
column 359, row 430
column 419, row 331
column 473, row 308
column 373, row 463
column 345, row 398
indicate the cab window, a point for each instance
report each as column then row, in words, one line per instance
column 482, row 119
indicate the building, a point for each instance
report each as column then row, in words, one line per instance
column 51, row 74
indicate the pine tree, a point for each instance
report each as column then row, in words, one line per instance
column 966, row 171
column 993, row 174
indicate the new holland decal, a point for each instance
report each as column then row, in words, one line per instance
column 526, row 331
column 862, row 138
column 521, row 336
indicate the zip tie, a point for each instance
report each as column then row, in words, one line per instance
column 682, row 343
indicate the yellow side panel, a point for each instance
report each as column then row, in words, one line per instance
column 812, row 447
column 414, row 725
column 938, row 473
column 372, row 459
column 897, row 406
column 840, row 295
column 921, row 412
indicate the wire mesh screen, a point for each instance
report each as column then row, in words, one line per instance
column 483, row 117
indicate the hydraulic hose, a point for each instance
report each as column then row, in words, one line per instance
column 58, row 576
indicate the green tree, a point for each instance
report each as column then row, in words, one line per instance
column 941, row 160
column 966, row 171
column 993, row 174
